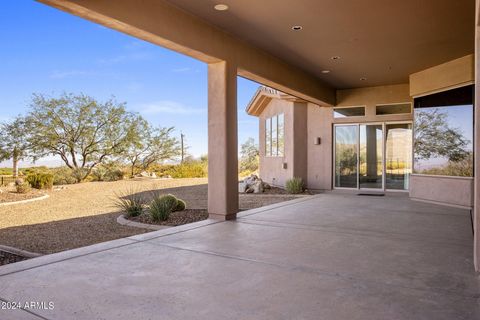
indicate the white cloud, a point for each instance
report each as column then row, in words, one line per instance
column 169, row 107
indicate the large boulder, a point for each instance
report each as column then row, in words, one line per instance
column 252, row 184
column 153, row 175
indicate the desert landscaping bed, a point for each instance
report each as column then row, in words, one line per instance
column 85, row 214
column 9, row 195
column 175, row 219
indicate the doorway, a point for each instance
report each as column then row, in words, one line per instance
column 372, row 156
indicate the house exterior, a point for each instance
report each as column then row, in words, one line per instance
column 354, row 68
column 367, row 139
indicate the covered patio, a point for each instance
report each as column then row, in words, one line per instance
column 332, row 256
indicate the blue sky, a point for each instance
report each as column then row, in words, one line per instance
column 44, row 50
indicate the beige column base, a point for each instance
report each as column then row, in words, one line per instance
column 222, row 217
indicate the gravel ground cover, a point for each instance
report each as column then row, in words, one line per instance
column 9, row 195
column 85, row 214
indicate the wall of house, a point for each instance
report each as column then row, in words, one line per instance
column 320, row 122
column 444, row 190
column 371, row 97
column 320, row 170
column 271, row 168
column 455, row 191
column 451, row 74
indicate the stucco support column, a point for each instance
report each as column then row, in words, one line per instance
column 222, row 141
column 476, row 205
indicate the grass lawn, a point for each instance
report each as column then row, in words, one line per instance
column 84, row 214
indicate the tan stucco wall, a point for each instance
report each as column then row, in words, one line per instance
column 451, row 74
column 443, row 190
column 320, row 158
column 300, row 137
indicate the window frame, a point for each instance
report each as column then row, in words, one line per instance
column 364, row 107
column 272, row 151
column 393, row 104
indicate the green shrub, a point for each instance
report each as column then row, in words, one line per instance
column 22, row 186
column 98, row 174
column 188, row 170
column 63, row 175
column 162, row 206
column 78, row 174
column 132, row 202
column 181, row 205
column 40, row 180
column 294, row 185
column 114, row 175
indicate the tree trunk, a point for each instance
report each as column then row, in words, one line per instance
column 15, row 163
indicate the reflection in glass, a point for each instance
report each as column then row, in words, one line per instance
column 346, row 156
column 398, row 156
column 274, row 136
column 281, row 135
column 268, row 137
column 444, row 133
column 371, row 157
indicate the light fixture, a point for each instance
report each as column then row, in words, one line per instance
column 297, row 28
column 335, row 58
column 325, row 71
column 363, row 79
column 221, row 7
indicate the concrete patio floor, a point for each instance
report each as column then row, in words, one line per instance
column 331, row 256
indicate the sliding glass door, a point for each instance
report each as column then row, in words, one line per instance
column 398, row 155
column 346, row 156
column 373, row 156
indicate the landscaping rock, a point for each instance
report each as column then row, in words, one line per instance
column 145, row 174
column 252, row 184
column 242, row 187
column 153, row 175
column 258, row 187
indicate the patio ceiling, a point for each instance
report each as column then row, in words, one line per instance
column 381, row 40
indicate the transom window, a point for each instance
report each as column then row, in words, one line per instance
column 275, row 136
column 398, row 108
column 348, row 112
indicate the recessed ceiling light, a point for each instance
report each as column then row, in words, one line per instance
column 297, row 28
column 363, row 79
column 221, row 7
column 335, row 58
column 325, row 71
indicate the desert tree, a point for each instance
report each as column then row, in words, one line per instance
column 249, row 155
column 82, row 131
column 434, row 137
column 14, row 141
column 152, row 145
